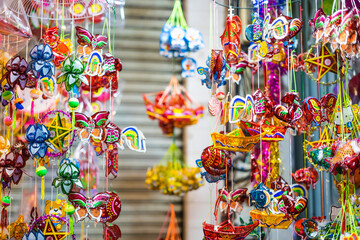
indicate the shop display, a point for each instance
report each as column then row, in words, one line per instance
column 57, row 94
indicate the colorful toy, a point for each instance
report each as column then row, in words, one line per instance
column 172, row 107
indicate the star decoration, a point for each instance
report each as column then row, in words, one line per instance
column 59, row 129
column 325, row 62
column 50, row 230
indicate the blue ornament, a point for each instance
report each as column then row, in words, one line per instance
column 34, row 235
column 188, row 66
column 37, row 135
column 41, row 64
column 194, row 39
column 260, row 196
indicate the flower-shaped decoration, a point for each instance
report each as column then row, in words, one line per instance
column 6, row 94
column 41, row 64
column 12, row 164
column 37, row 135
column 73, row 74
column 16, row 72
column 67, row 175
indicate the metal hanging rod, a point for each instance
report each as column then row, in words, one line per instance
column 270, row 6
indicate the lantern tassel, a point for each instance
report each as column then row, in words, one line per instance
column 71, row 226
column 42, row 188
column 32, row 112
column 3, row 221
column 14, row 121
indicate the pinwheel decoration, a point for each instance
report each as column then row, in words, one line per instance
column 41, row 64
column 67, row 176
column 73, row 74
column 12, row 164
column 16, row 72
column 37, row 135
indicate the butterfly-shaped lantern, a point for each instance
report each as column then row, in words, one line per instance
column 91, row 128
column 104, row 207
column 85, row 38
column 105, row 136
column 231, row 200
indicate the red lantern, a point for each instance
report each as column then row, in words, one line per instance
column 216, row 161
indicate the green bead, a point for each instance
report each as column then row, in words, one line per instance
column 69, row 209
column 73, row 103
column 41, row 171
column 5, row 201
column 7, row 95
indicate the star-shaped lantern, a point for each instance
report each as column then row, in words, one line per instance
column 51, row 231
column 61, row 133
column 325, row 62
